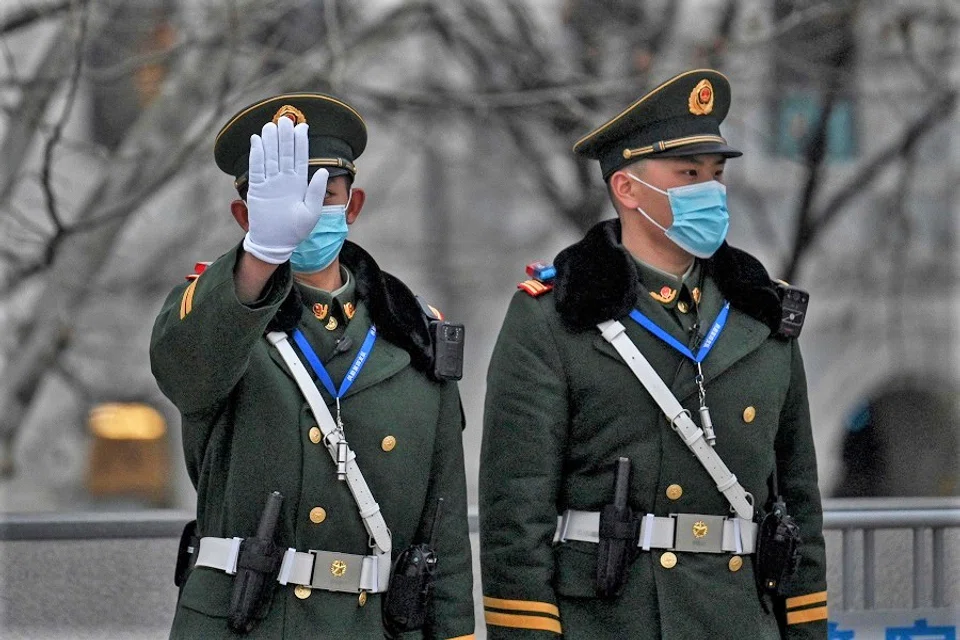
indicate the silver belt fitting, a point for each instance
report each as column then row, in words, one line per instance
column 688, row 532
column 328, row 570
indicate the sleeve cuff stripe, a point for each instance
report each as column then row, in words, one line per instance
column 522, row 605
column 810, row 598
column 467, row 637
column 186, row 302
column 806, row 615
column 522, row 622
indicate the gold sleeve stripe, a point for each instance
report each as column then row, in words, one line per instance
column 469, row 637
column 522, row 622
column 806, row 615
column 522, row 605
column 186, row 302
column 810, row 598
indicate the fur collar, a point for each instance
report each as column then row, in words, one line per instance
column 597, row 280
column 393, row 307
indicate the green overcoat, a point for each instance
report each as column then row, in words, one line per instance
column 562, row 406
column 247, row 432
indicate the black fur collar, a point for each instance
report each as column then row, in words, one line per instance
column 597, row 280
column 393, row 307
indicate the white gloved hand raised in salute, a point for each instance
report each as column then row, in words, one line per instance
column 283, row 207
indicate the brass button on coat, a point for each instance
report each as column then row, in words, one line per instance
column 315, row 435
column 735, row 563
column 302, row 592
column 318, row 515
column 682, row 307
column 668, row 560
column 674, row 491
column 388, row 443
column 749, row 414
column 362, row 600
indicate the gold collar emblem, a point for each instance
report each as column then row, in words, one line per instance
column 665, row 296
column 320, row 311
column 695, row 294
column 701, row 98
column 349, row 310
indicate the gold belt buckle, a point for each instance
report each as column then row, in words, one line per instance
column 698, row 533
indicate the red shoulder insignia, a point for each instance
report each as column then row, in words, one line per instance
column 198, row 268
column 534, row 287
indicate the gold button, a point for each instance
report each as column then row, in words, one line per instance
column 749, row 414
column 674, row 491
column 315, row 435
column 318, row 515
column 331, row 324
column 388, row 443
column 683, row 307
column 302, row 592
column 668, row 560
column 735, row 563
column 362, row 600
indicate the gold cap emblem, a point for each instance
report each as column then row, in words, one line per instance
column 338, row 568
column 701, row 98
column 291, row 112
column 700, row 529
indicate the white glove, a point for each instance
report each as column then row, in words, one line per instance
column 283, row 208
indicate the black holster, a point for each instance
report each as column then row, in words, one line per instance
column 257, row 566
column 186, row 554
column 619, row 532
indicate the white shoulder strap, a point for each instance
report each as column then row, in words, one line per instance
column 368, row 507
column 614, row 333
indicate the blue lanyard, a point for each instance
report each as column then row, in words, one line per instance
column 321, row 372
column 705, row 346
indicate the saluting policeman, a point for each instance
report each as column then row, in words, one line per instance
column 300, row 367
column 568, row 397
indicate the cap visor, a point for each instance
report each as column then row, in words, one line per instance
column 702, row 148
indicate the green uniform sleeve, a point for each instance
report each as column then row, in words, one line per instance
column 452, row 615
column 806, row 605
column 203, row 336
column 524, row 435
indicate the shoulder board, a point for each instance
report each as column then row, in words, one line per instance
column 198, row 268
column 535, row 288
column 430, row 311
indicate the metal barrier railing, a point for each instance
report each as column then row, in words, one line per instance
column 867, row 516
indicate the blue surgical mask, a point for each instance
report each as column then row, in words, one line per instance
column 323, row 245
column 700, row 218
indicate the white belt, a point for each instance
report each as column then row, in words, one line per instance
column 690, row 532
column 329, row 570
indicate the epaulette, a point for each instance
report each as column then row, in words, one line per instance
column 198, row 268
column 541, row 279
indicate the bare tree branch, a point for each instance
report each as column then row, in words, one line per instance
column 51, row 200
column 28, row 16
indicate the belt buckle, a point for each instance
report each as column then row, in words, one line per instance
column 335, row 571
column 698, row 533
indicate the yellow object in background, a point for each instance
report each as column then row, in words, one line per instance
column 129, row 454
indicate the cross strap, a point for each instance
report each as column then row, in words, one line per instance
column 692, row 435
column 369, row 509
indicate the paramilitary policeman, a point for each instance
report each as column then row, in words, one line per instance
column 321, row 425
column 648, row 468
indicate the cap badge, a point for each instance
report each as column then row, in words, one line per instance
column 701, row 98
column 291, row 112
